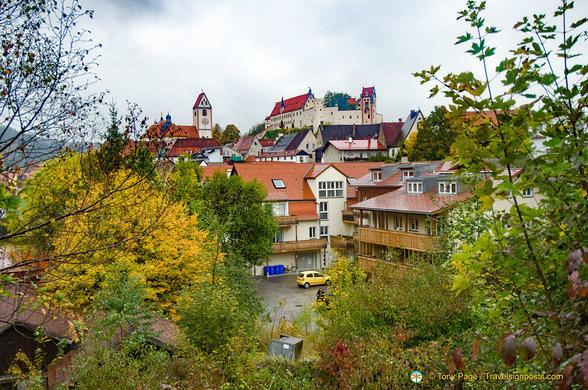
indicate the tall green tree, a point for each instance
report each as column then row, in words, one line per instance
column 338, row 99
column 235, row 210
column 256, row 129
column 434, row 138
column 217, row 132
column 230, row 134
column 531, row 267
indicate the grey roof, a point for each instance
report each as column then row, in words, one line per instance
column 412, row 117
column 283, row 142
column 297, row 140
column 338, row 132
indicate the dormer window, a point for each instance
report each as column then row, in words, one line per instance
column 447, row 188
column 377, row 175
column 414, row 187
column 407, row 174
column 278, row 183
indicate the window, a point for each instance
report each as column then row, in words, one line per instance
column 323, row 210
column 279, row 237
column 398, row 222
column 330, row 189
column 324, row 232
column 278, row 183
column 527, row 193
column 377, row 175
column 282, row 209
column 414, row 187
column 447, row 188
column 204, row 112
column 414, row 224
column 312, row 232
column 407, row 174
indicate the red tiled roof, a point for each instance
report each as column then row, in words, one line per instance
column 356, row 169
column 243, row 144
column 400, row 201
column 198, row 100
column 358, row 144
column 369, row 90
column 265, row 142
column 292, row 104
column 208, row 171
column 174, row 131
column 292, row 175
column 305, row 211
column 190, row 146
column 392, row 133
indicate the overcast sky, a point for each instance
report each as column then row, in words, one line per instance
column 246, row 55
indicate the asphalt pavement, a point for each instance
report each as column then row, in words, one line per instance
column 284, row 288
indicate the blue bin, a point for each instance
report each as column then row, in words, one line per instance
column 264, row 270
column 271, row 270
column 281, row 269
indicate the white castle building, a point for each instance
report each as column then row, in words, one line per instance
column 306, row 110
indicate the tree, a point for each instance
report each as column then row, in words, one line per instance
column 230, row 135
column 217, row 132
column 434, row 138
column 521, row 266
column 256, row 129
column 409, row 143
column 338, row 99
column 45, row 67
column 236, row 212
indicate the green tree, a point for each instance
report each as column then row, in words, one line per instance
column 522, row 265
column 217, row 132
column 236, row 212
column 230, row 135
column 434, row 138
column 338, row 99
column 256, row 129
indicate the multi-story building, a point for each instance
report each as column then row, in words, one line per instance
column 401, row 208
column 308, row 200
column 306, row 110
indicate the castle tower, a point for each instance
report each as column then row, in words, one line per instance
column 203, row 116
column 368, row 106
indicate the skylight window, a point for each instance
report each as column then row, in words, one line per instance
column 278, row 183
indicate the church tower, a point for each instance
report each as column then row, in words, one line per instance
column 202, row 111
column 368, row 106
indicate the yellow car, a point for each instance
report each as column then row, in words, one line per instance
column 312, row 278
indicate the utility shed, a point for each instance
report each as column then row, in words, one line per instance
column 287, row 347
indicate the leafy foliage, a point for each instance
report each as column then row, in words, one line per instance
column 434, row 138
column 230, row 134
column 521, row 263
column 338, row 99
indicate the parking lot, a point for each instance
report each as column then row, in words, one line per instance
column 284, row 288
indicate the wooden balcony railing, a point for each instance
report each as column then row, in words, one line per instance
column 287, row 221
column 342, row 242
column 349, row 217
column 399, row 239
column 299, row 246
column 369, row 263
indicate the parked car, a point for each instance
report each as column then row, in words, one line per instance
column 312, row 278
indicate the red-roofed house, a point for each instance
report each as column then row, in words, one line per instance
column 308, row 200
column 352, row 150
column 400, row 208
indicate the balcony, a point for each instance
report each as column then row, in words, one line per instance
column 350, row 217
column 288, row 221
column 299, row 246
column 369, row 263
column 399, row 239
column 342, row 242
